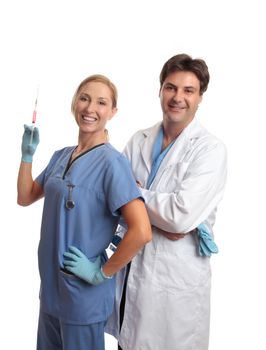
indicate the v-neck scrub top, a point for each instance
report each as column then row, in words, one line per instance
column 102, row 183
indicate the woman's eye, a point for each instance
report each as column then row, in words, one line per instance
column 82, row 98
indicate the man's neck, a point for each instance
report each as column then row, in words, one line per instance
column 171, row 132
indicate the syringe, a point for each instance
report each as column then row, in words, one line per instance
column 34, row 116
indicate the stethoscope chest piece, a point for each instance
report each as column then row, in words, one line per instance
column 70, row 204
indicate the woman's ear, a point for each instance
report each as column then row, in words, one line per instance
column 114, row 110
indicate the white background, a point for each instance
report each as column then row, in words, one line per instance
column 58, row 43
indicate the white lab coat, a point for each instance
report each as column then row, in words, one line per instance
column 168, row 289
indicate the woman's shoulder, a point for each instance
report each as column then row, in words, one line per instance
column 111, row 150
column 61, row 153
column 113, row 155
column 64, row 150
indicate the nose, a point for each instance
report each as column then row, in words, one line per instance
column 178, row 95
column 90, row 106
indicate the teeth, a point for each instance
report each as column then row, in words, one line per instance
column 89, row 119
column 176, row 107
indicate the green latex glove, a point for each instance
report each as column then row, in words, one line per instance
column 77, row 263
column 28, row 148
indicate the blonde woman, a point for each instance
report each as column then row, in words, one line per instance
column 86, row 188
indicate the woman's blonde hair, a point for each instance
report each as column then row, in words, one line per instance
column 96, row 78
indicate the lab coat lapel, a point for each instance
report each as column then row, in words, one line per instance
column 147, row 144
column 179, row 149
column 183, row 143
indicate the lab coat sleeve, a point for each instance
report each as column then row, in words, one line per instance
column 200, row 191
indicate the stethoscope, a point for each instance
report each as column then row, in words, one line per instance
column 70, row 204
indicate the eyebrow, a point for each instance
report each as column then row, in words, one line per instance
column 170, row 84
column 99, row 98
column 191, row 87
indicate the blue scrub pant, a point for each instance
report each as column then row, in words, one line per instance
column 55, row 335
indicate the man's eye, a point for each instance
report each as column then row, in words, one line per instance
column 169, row 88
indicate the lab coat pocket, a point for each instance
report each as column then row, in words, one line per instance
column 180, row 270
column 172, row 177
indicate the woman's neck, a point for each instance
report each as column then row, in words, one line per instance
column 86, row 141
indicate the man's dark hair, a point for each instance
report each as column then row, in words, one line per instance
column 185, row 63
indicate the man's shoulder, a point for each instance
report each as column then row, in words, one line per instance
column 201, row 133
column 143, row 133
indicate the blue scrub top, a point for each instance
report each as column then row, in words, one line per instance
column 103, row 183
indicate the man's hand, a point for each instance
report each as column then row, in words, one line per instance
column 173, row 236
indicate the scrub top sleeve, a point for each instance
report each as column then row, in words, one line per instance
column 120, row 185
column 40, row 178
